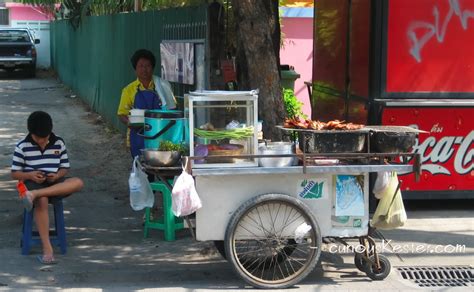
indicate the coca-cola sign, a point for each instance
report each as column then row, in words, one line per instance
column 435, row 152
column 446, row 152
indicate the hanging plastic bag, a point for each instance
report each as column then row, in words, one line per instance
column 390, row 212
column 185, row 199
column 381, row 183
column 141, row 194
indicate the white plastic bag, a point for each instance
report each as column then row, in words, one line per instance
column 301, row 231
column 390, row 212
column 381, row 183
column 141, row 194
column 185, row 199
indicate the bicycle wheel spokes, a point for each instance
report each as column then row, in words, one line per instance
column 266, row 242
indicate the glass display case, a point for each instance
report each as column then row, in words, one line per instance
column 222, row 123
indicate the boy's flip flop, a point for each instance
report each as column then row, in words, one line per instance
column 46, row 260
column 27, row 201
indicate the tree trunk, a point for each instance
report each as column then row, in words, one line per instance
column 216, row 41
column 137, row 7
column 257, row 25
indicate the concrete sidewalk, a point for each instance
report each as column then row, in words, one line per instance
column 105, row 237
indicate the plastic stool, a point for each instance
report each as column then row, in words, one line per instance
column 168, row 223
column 57, row 236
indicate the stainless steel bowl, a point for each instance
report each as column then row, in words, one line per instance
column 276, row 148
column 153, row 157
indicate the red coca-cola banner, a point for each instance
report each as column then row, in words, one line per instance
column 447, row 151
column 429, row 46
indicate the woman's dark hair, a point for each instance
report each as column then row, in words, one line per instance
column 143, row 54
column 40, row 124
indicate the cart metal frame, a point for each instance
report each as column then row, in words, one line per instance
column 231, row 196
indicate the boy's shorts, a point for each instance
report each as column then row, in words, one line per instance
column 31, row 185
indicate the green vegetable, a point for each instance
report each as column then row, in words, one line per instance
column 293, row 106
column 237, row 134
column 170, row 146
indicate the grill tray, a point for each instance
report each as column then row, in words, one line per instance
column 331, row 141
column 392, row 139
column 383, row 139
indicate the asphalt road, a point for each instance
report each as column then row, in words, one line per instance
column 106, row 249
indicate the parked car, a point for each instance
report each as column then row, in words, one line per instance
column 17, row 50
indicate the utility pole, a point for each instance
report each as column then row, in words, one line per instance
column 138, row 6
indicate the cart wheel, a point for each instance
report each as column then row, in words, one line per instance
column 263, row 245
column 380, row 273
column 288, row 249
column 282, row 255
column 359, row 262
column 219, row 244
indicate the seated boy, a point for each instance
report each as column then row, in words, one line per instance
column 41, row 162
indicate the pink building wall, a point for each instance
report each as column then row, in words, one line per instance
column 298, row 52
column 20, row 11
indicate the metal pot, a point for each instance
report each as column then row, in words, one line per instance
column 276, row 148
column 155, row 157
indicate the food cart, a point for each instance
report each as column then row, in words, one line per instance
column 272, row 220
column 269, row 222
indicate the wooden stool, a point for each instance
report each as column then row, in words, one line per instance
column 168, row 223
column 57, row 236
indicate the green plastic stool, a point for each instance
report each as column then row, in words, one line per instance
column 168, row 223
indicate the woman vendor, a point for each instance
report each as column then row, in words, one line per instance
column 147, row 92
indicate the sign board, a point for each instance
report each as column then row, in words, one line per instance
column 315, row 188
column 429, row 46
column 349, row 195
column 447, row 152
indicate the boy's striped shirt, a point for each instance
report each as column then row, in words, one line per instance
column 29, row 157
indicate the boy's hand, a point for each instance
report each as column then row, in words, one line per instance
column 52, row 177
column 37, row 176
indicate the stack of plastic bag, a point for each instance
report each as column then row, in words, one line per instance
column 390, row 212
column 141, row 194
column 185, row 199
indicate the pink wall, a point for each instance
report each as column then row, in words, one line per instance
column 20, row 11
column 298, row 52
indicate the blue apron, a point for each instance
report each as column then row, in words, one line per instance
column 147, row 100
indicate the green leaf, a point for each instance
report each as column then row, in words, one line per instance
column 293, row 106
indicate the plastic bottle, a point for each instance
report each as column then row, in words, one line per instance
column 21, row 187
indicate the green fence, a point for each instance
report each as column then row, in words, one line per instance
column 94, row 60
